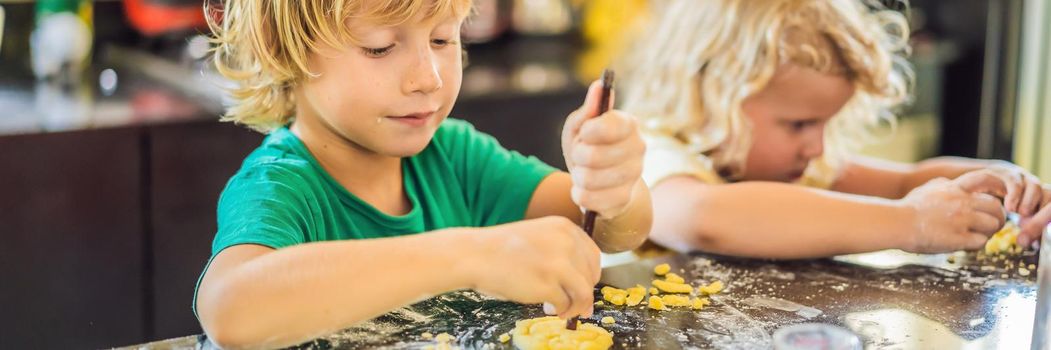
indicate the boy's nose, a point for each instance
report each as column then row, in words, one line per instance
column 423, row 76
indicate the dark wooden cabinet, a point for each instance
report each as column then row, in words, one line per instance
column 71, row 248
column 190, row 164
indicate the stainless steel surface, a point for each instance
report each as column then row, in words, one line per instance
column 892, row 300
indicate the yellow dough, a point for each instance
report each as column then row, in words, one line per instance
column 550, row 333
column 608, row 320
column 1004, row 241
column 710, row 289
column 673, row 278
column 656, row 303
column 635, row 295
column 676, row 300
column 700, row 303
column 504, row 338
column 661, row 269
column 669, row 287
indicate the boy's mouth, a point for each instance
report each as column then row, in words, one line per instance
column 414, row 119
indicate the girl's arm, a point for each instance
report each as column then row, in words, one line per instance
column 882, row 178
column 776, row 220
column 1024, row 194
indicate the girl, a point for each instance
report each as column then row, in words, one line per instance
column 752, row 109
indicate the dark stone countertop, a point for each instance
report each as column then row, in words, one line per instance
column 892, row 300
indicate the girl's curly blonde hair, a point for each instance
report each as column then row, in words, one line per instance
column 702, row 58
column 262, row 45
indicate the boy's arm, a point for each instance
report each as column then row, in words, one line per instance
column 253, row 296
column 775, row 220
column 623, row 232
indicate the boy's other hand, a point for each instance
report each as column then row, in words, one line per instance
column 604, row 155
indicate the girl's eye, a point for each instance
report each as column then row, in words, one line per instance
column 800, row 125
column 377, row 52
column 442, row 42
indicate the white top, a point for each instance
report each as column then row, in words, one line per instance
column 667, row 156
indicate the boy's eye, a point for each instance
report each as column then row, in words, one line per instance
column 377, row 52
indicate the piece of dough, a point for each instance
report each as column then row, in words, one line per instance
column 700, row 303
column 656, row 303
column 550, row 333
column 661, row 269
column 669, row 287
column 714, row 287
column 676, row 300
column 674, row 278
column 635, row 295
column 1004, row 241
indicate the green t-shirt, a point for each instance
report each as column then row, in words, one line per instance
column 463, row 178
column 282, row 196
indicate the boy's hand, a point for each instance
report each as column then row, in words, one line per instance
column 545, row 260
column 604, row 156
column 954, row 215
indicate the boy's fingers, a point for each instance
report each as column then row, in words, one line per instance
column 590, row 256
column 609, row 128
column 608, row 156
column 558, row 299
column 580, row 296
column 587, row 110
column 592, row 179
column 603, row 201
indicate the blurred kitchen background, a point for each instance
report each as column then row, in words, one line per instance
column 112, row 156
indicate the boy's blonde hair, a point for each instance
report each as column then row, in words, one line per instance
column 703, row 58
column 262, row 45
